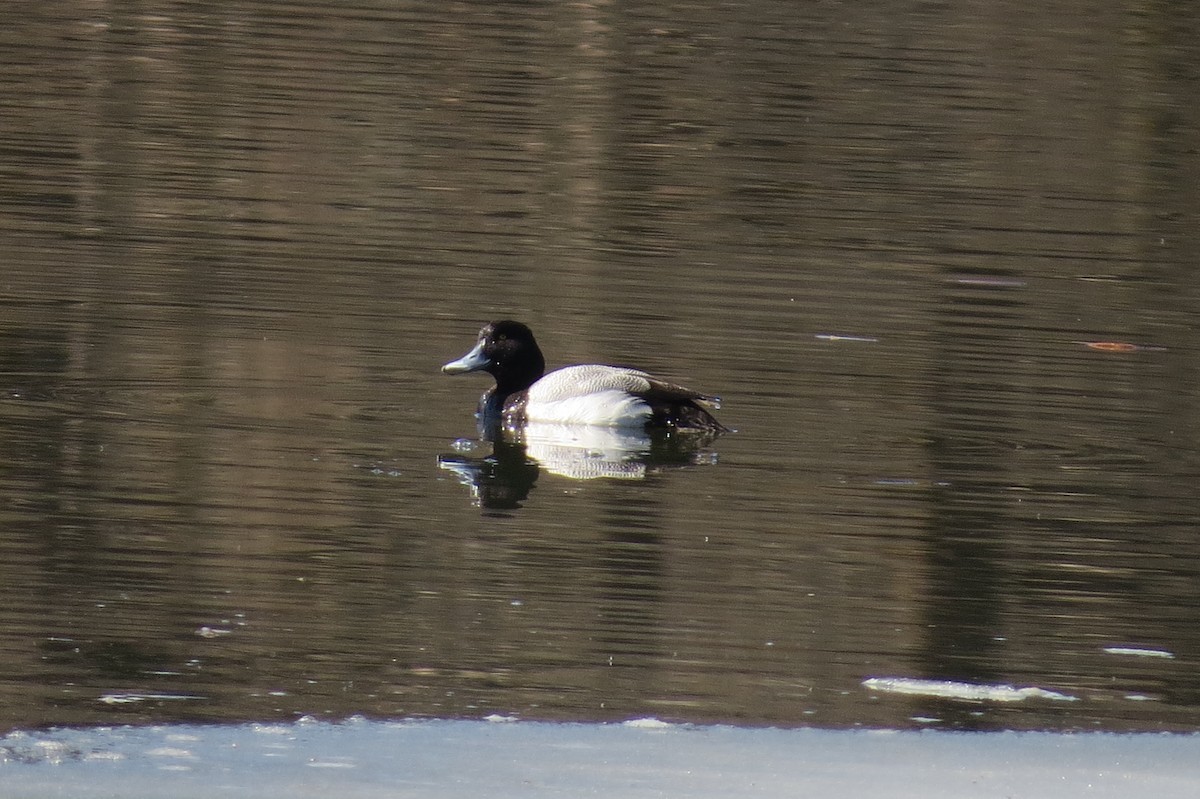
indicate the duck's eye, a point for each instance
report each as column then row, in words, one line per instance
column 502, row 337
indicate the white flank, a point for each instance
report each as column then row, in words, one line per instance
column 590, row 394
column 610, row 408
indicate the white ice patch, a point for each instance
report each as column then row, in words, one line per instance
column 648, row 723
column 971, row 692
column 170, row 751
column 127, row 699
column 1137, row 651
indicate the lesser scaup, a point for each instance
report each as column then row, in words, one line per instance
column 590, row 394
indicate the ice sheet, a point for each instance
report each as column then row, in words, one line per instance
column 373, row 760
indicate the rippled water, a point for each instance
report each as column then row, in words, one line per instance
column 938, row 262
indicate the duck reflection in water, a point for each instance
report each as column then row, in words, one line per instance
column 580, row 422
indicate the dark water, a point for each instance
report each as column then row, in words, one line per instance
column 939, row 261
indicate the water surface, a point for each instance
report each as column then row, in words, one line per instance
column 938, row 262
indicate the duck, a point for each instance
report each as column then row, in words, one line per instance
column 586, row 394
